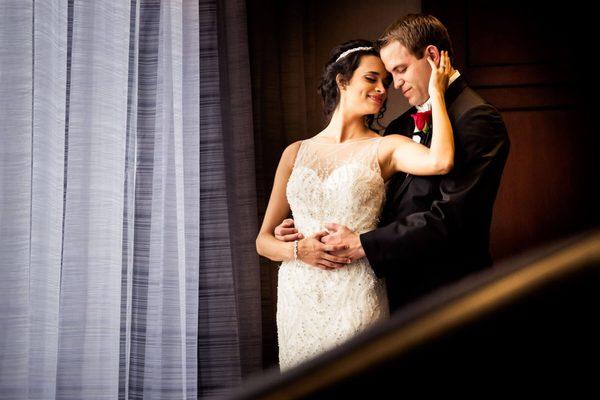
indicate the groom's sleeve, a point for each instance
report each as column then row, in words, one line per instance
column 467, row 191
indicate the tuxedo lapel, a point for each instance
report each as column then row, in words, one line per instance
column 454, row 90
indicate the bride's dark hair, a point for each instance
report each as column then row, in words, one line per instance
column 328, row 88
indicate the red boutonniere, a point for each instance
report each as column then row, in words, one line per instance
column 422, row 121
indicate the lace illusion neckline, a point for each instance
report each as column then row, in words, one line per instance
column 344, row 142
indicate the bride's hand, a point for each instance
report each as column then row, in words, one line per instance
column 440, row 76
column 311, row 251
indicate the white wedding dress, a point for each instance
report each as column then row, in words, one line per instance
column 319, row 309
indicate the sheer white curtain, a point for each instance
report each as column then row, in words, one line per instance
column 99, row 199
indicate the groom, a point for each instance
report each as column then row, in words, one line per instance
column 434, row 229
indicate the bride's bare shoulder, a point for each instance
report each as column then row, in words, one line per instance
column 289, row 154
column 391, row 141
column 389, row 144
column 394, row 137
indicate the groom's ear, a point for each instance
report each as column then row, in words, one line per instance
column 433, row 52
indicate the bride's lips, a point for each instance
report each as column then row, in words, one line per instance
column 377, row 99
column 406, row 91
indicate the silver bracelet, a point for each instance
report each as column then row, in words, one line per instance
column 295, row 250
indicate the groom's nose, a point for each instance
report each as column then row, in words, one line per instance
column 398, row 83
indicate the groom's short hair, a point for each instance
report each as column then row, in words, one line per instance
column 416, row 32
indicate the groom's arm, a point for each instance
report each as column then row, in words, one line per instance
column 473, row 183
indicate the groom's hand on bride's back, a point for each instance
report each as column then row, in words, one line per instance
column 287, row 232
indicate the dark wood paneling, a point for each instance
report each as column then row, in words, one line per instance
column 531, row 97
column 508, row 33
column 519, row 75
column 544, row 193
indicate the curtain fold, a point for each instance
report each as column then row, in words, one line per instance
column 99, row 199
column 31, row 193
column 89, row 323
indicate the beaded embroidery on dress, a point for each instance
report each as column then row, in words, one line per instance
column 317, row 309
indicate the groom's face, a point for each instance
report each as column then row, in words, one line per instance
column 411, row 74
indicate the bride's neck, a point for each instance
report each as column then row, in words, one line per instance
column 344, row 126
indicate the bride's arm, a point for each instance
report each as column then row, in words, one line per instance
column 277, row 210
column 408, row 156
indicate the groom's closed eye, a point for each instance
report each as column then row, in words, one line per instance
column 399, row 68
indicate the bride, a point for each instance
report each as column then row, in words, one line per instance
column 339, row 176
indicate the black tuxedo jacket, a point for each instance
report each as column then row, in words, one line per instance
column 435, row 229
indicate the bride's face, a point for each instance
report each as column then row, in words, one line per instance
column 366, row 91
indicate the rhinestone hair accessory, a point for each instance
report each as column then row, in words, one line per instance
column 344, row 54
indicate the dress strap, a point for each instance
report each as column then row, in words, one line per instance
column 300, row 153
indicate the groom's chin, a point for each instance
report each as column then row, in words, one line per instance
column 413, row 102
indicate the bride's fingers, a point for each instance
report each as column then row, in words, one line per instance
column 331, row 265
column 444, row 61
column 336, row 259
column 431, row 63
column 326, row 265
column 320, row 234
column 334, row 247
